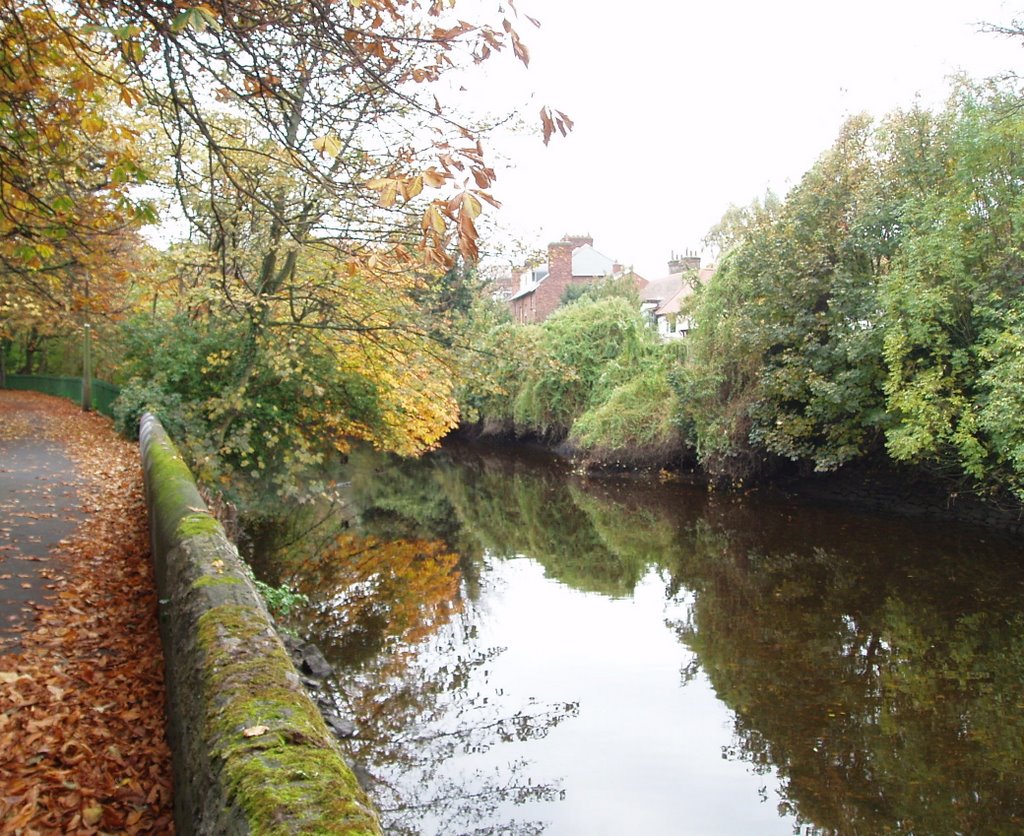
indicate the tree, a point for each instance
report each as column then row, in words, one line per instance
column 306, row 139
column 785, row 361
column 67, row 166
column 953, row 300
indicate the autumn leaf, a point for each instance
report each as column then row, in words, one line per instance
column 91, row 815
column 434, row 178
column 470, row 205
column 387, row 190
column 433, row 220
column 520, row 50
column 97, row 648
column 8, row 677
column 554, row 120
column 255, row 731
column 328, row 145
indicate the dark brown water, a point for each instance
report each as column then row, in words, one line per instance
column 526, row 651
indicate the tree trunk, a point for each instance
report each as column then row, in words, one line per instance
column 31, row 347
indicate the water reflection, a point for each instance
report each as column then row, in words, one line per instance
column 871, row 670
column 880, row 677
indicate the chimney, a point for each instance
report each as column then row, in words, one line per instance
column 578, row 240
column 560, row 259
column 684, row 263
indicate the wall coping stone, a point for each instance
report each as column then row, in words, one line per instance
column 251, row 752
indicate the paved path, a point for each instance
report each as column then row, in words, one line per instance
column 39, row 507
column 82, row 724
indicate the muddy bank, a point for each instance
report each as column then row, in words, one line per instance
column 877, row 486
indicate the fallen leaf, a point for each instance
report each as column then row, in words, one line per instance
column 7, row 677
column 83, row 714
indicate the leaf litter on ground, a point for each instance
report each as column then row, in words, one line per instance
column 82, row 742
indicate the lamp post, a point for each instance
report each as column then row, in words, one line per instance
column 87, row 370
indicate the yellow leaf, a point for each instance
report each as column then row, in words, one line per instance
column 470, row 205
column 329, row 145
column 433, row 221
column 433, row 178
column 92, row 124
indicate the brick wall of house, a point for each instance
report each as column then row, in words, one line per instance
column 524, row 308
column 539, row 305
column 549, row 292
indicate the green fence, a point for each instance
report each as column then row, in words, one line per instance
column 103, row 394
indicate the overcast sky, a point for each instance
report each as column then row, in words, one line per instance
column 683, row 108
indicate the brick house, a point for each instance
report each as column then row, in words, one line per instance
column 663, row 300
column 571, row 261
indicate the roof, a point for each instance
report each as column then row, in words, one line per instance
column 586, row 261
column 523, row 293
column 661, row 290
column 669, row 292
column 673, row 304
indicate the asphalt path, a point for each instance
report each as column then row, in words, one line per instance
column 39, row 507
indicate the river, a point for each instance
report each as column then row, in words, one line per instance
column 525, row 650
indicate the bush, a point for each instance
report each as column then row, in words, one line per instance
column 140, row 396
column 634, row 423
column 584, row 352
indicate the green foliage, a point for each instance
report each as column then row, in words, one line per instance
column 138, row 397
column 623, row 287
column 239, row 407
column 876, row 309
column 585, row 351
column 281, row 600
column 784, row 360
column 493, row 370
column 954, row 299
column 635, row 421
column 593, row 373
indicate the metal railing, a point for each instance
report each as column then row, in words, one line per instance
column 103, row 394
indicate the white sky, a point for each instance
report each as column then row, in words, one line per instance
column 683, row 108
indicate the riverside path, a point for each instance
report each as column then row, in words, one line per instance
column 82, row 745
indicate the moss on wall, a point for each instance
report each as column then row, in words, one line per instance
column 251, row 752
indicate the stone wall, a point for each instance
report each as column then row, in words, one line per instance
column 251, row 752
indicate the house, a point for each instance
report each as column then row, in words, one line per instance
column 663, row 300
column 571, row 261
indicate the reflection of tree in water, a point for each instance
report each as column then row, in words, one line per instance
column 587, row 539
column 425, row 715
column 368, row 595
column 884, row 683
column 389, row 614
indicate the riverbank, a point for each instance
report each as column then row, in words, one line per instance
column 876, row 486
column 82, row 742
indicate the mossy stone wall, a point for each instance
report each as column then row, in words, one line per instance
column 251, row 752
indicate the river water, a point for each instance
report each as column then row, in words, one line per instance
column 524, row 650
